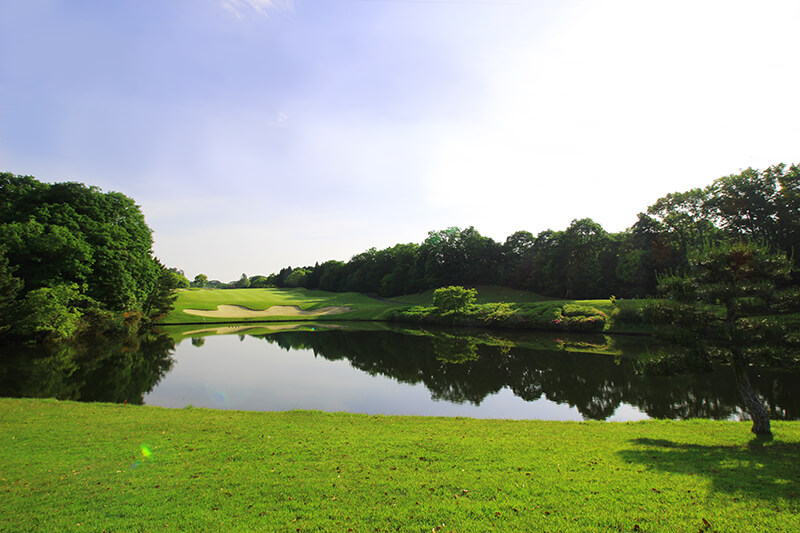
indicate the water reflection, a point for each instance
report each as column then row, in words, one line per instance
column 376, row 368
column 104, row 369
column 469, row 367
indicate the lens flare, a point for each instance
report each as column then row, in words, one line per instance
column 146, row 451
column 220, row 398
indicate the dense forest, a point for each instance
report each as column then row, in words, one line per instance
column 582, row 261
column 74, row 259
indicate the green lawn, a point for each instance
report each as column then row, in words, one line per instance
column 362, row 307
column 98, row 467
column 624, row 316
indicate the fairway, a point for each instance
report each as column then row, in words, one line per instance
column 208, row 306
column 66, row 466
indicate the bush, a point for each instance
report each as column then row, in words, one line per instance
column 453, row 298
column 574, row 310
column 580, row 318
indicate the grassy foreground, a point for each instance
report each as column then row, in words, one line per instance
column 98, row 467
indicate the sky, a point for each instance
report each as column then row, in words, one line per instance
column 257, row 134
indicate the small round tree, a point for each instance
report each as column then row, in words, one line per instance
column 453, row 298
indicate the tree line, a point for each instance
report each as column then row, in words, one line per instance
column 73, row 257
column 582, row 261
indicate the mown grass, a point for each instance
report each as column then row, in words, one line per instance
column 531, row 310
column 98, row 467
column 362, row 307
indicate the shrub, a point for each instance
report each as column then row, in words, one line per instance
column 580, row 318
column 453, row 298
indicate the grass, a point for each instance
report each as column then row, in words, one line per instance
column 529, row 306
column 362, row 307
column 98, row 467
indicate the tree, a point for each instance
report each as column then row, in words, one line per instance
column 297, row 278
column 179, row 278
column 69, row 233
column 161, row 298
column 200, row 280
column 259, row 282
column 460, row 257
column 242, row 283
column 453, row 298
column 49, row 313
column 516, row 253
column 9, row 289
column 728, row 307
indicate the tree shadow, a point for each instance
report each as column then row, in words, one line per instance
column 762, row 469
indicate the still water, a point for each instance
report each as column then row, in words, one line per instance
column 380, row 369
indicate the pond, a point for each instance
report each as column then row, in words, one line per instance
column 384, row 369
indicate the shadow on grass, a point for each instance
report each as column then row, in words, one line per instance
column 763, row 469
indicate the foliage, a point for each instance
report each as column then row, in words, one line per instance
column 10, row 287
column 297, row 278
column 453, row 298
column 543, row 316
column 583, row 260
column 49, row 312
column 177, row 278
column 734, row 297
column 69, row 238
column 200, row 281
column 242, row 283
column 727, row 308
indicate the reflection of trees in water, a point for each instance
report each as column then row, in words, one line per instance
column 454, row 367
column 596, row 385
column 105, row 369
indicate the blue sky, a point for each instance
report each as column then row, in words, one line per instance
column 257, row 134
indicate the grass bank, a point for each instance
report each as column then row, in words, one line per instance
column 361, row 307
column 571, row 316
column 496, row 307
column 90, row 467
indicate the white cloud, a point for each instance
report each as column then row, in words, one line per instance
column 262, row 7
column 280, row 119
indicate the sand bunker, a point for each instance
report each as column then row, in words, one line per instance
column 237, row 311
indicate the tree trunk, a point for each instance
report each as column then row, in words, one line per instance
column 752, row 402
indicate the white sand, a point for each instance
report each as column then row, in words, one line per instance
column 238, row 311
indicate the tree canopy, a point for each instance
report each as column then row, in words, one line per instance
column 74, row 248
column 583, row 260
column 731, row 307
